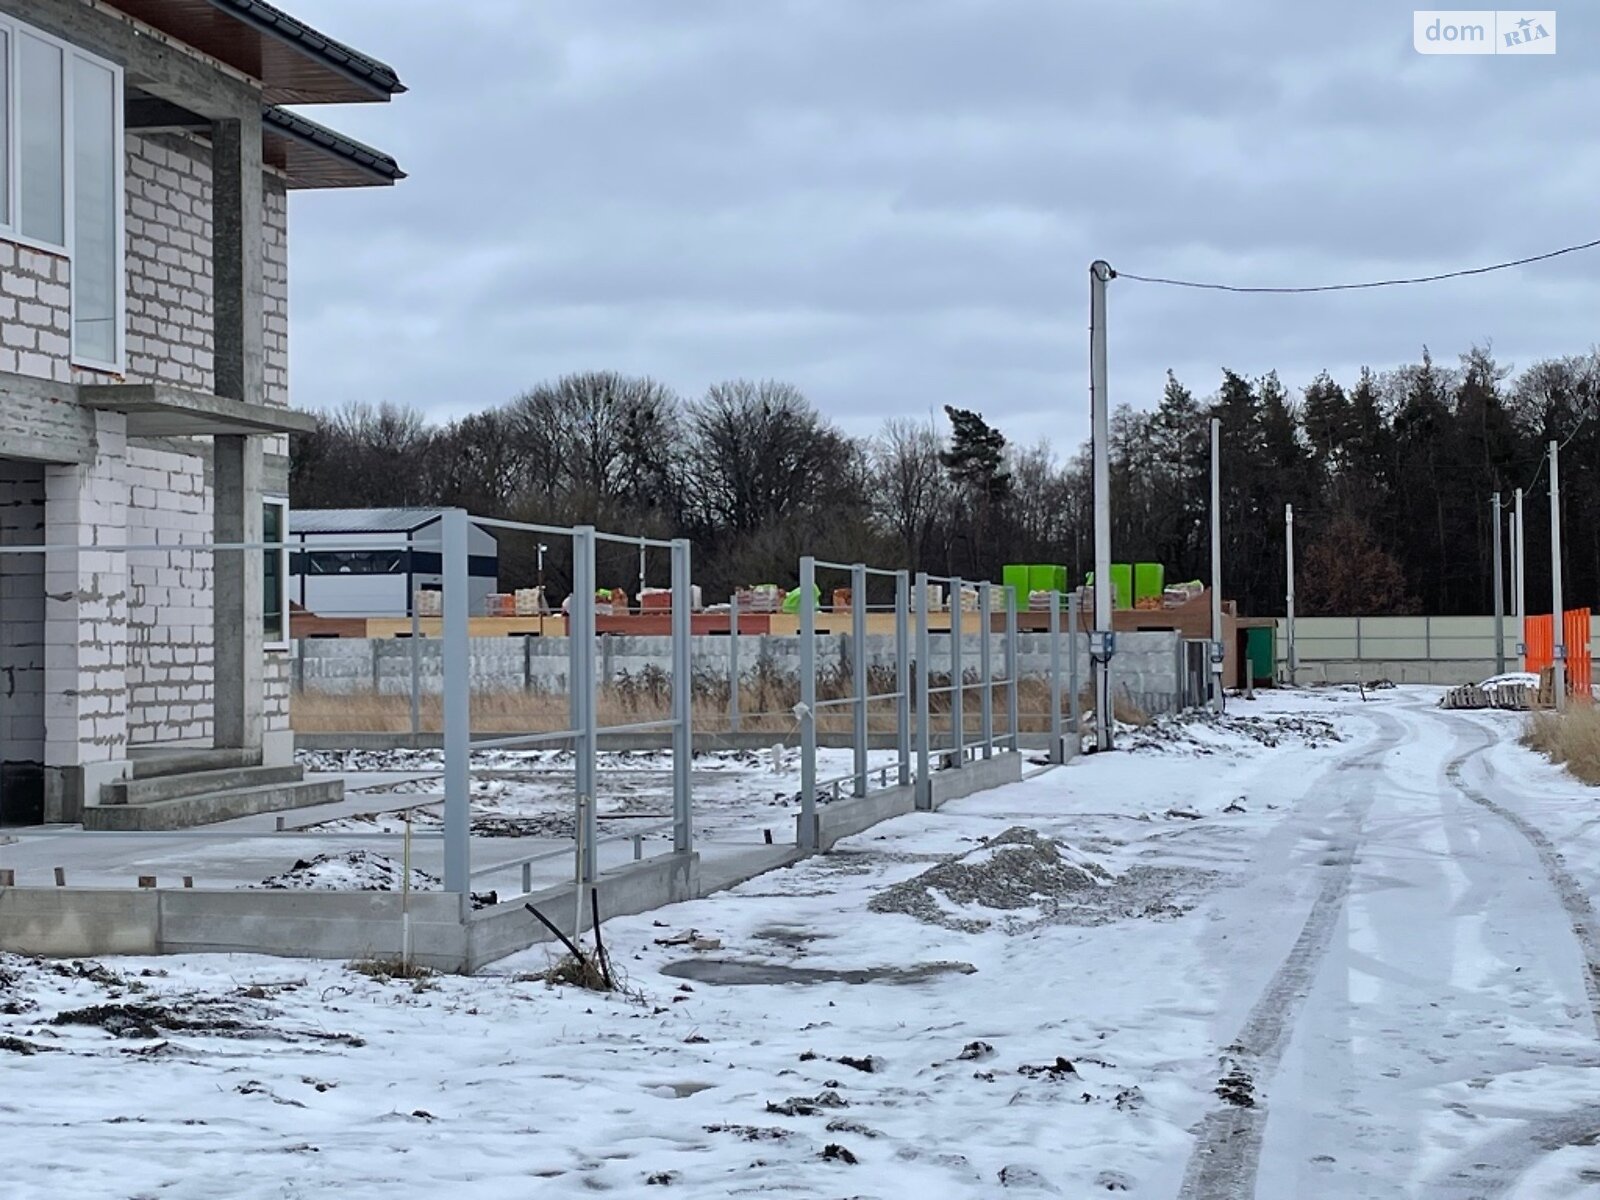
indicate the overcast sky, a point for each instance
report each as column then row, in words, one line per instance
column 893, row 203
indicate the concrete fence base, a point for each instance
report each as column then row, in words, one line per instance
column 70, row 922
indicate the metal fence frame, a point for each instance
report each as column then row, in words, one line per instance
column 919, row 751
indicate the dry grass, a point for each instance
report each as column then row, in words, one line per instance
column 385, row 969
column 765, row 707
column 1571, row 738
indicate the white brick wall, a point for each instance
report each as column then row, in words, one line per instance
column 278, row 680
column 137, row 628
column 169, row 280
column 35, row 313
column 86, row 608
column 169, row 261
column 170, row 637
column 275, row 303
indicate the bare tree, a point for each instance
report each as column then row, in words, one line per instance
column 910, row 491
column 761, row 454
column 603, row 443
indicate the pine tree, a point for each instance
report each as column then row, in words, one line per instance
column 976, row 464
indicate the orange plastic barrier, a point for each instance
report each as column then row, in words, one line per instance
column 1538, row 635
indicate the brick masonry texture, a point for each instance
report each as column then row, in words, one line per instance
column 170, row 639
column 169, row 272
column 86, row 603
column 143, row 669
column 35, row 313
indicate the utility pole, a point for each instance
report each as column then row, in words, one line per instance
column 1288, row 546
column 1557, row 616
column 1499, row 591
column 1102, row 641
column 1519, row 575
column 1218, row 650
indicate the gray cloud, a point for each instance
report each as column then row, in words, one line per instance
column 893, row 203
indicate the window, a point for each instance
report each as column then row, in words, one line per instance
column 5, row 127
column 275, row 572
column 96, row 201
column 61, row 176
column 41, row 213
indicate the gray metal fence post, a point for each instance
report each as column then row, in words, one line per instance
column 457, row 707
column 581, row 627
column 808, row 704
column 1056, row 756
column 733, row 663
column 986, row 667
column 902, row 673
column 1011, row 669
column 682, row 700
column 958, row 679
column 416, row 670
column 924, row 797
column 858, row 670
column 1076, row 696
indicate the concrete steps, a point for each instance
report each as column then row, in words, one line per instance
column 150, row 762
column 207, row 807
column 156, row 788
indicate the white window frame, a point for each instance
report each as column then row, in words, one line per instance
column 10, row 229
column 281, row 502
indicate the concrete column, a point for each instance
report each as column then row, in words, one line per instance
column 236, row 247
column 86, row 623
column 238, row 332
column 237, row 604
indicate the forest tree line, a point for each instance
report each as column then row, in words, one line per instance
column 1390, row 475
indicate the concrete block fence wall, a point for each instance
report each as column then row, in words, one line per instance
column 1421, row 649
column 1146, row 667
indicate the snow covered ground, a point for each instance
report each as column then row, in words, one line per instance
column 1335, row 948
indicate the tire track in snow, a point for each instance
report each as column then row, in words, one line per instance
column 1574, row 900
column 1227, row 1150
column 1493, row 1168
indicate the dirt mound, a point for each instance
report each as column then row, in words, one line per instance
column 1018, row 881
column 1017, row 872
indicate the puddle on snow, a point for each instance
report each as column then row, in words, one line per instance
column 737, row 973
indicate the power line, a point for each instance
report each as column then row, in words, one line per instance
column 1356, row 287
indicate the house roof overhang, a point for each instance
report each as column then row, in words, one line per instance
column 295, row 63
column 313, row 156
column 309, row 155
column 158, row 411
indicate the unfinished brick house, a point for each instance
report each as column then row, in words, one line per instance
column 145, row 170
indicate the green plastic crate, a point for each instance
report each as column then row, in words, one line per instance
column 1121, row 584
column 1149, row 579
column 1047, row 578
column 1015, row 576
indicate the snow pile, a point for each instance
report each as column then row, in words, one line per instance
column 358, row 871
column 1203, row 732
